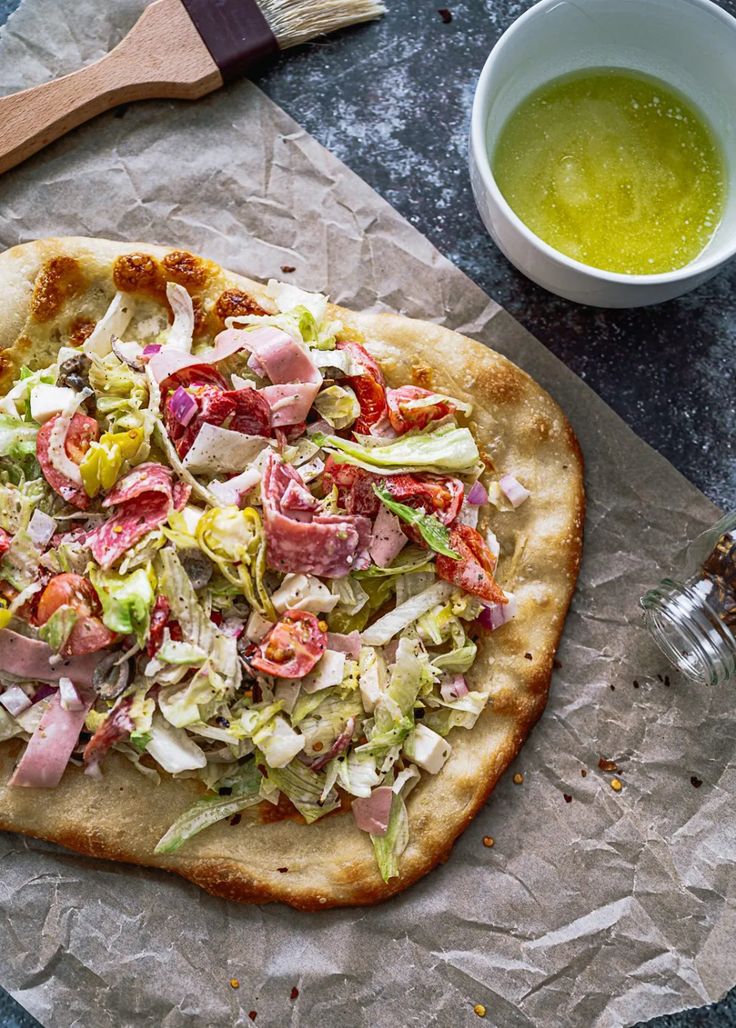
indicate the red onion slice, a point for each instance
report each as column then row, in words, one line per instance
column 453, row 687
column 497, row 614
column 477, row 494
column 128, row 353
column 513, row 490
column 68, row 695
column 182, row 406
column 41, row 528
column 15, row 700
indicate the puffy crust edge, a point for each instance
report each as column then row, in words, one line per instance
column 331, row 863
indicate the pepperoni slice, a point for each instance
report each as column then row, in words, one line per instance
column 404, row 417
column 292, row 647
column 89, row 634
column 474, row 571
column 82, row 431
column 369, row 388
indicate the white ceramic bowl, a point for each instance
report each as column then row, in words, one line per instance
column 690, row 44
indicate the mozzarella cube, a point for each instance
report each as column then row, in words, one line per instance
column 372, row 682
column 48, row 400
column 257, row 627
column 304, row 592
column 329, row 671
column 427, row 749
column 278, row 742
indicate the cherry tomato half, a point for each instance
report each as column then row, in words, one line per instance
column 292, row 647
column 89, row 634
column 81, row 432
column 369, row 388
column 474, row 571
column 354, row 487
column 403, row 416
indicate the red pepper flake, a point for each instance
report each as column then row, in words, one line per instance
column 252, row 1014
column 667, row 681
column 660, row 678
column 282, row 870
column 607, row 765
column 287, row 268
column 294, row 992
column 518, row 778
column 695, row 781
column 528, row 656
column 445, row 15
column 488, row 841
column 568, row 798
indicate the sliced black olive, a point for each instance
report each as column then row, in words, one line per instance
column 74, row 372
column 110, row 679
column 197, row 566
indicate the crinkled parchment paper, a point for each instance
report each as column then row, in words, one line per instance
column 603, row 910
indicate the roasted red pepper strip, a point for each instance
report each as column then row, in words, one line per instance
column 369, row 388
column 474, row 571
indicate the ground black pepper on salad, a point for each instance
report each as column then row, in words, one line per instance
column 250, row 562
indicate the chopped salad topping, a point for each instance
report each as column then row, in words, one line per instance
column 248, row 561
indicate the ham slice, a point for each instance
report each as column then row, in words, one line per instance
column 372, row 813
column 51, row 745
column 280, row 356
column 29, row 659
column 347, row 644
column 291, row 403
column 145, row 497
column 387, row 538
column 330, row 545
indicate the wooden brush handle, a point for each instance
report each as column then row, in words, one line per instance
column 163, row 55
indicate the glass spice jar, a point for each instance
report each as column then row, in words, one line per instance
column 694, row 621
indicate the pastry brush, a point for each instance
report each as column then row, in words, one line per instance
column 178, row 48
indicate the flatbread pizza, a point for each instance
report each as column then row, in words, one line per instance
column 281, row 584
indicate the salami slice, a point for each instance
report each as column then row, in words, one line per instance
column 144, row 497
column 116, row 726
column 317, row 544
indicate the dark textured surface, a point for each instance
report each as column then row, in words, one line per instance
column 393, row 101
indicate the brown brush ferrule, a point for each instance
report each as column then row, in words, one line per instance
column 235, row 32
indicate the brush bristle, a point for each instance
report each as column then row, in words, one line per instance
column 297, row 21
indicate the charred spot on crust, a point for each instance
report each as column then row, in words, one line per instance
column 185, row 268
column 80, row 330
column 422, row 375
column 58, row 279
column 234, row 302
column 499, row 383
column 201, row 318
column 139, row 273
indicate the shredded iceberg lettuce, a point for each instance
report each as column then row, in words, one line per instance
column 446, row 449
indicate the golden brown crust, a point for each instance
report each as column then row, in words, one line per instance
column 331, row 863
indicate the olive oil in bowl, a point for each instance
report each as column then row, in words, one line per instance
column 614, row 169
